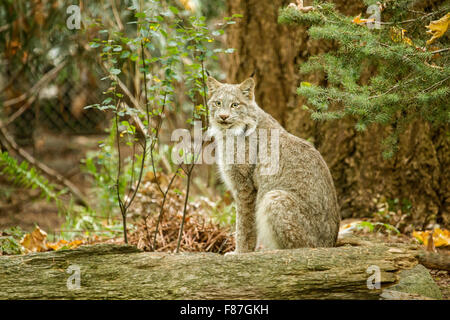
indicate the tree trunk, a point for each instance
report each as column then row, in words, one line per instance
column 123, row 272
column 417, row 175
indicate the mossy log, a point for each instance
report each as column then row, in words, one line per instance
column 123, row 272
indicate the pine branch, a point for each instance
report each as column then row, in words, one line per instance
column 407, row 79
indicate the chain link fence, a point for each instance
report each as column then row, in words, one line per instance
column 59, row 110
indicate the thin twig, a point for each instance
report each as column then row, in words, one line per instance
column 161, row 210
column 180, row 234
column 122, row 207
column 440, row 50
column 32, row 96
column 144, row 151
column 189, row 171
column 130, row 185
column 156, row 137
column 116, row 15
column 45, row 78
column 436, row 84
column 391, row 89
column 13, row 78
column 204, row 94
column 138, row 123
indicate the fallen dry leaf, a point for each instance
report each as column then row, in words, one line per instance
column 441, row 237
column 358, row 20
column 437, row 28
column 398, row 35
column 201, row 232
column 34, row 241
column 64, row 244
column 56, row 245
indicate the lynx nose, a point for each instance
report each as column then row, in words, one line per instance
column 224, row 116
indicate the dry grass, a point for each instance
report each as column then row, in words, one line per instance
column 201, row 233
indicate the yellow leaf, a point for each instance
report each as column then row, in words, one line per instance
column 52, row 246
column 441, row 237
column 422, row 236
column 56, row 245
column 34, row 241
column 305, row 84
column 189, row 5
column 437, row 28
column 75, row 244
column 398, row 35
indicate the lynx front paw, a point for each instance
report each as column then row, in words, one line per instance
column 231, row 253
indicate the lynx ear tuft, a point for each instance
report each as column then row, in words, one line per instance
column 248, row 88
column 212, row 84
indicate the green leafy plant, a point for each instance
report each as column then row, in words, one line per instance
column 170, row 49
column 22, row 174
column 376, row 226
column 10, row 241
column 101, row 166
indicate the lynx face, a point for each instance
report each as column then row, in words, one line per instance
column 232, row 106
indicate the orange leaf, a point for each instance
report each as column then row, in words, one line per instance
column 34, row 241
column 437, row 28
column 358, row 20
column 64, row 244
column 75, row 244
column 441, row 237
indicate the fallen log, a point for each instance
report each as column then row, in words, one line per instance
column 123, row 272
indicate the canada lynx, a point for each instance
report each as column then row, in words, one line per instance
column 291, row 207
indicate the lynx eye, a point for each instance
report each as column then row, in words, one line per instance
column 218, row 103
column 235, row 105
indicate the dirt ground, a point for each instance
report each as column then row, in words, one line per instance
column 23, row 208
column 442, row 279
column 63, row 153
